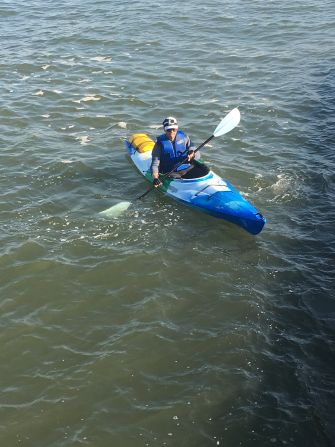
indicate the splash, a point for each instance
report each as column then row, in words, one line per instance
column 286, row 188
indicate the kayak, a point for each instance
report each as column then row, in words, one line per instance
column 200, row 188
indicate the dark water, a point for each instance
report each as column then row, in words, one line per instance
column 166, row 326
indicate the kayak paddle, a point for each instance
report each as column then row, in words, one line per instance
column 228, row 123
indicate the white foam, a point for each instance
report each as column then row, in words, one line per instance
column 87, row 98
column 66, row 161
column 282, row 184
column 155, row 126
column 91, row 98
column 83, row 139
column 102, row 59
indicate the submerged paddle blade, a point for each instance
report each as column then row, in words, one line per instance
column 115, row 210
column 228, row 123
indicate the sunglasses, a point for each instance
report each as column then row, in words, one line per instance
column 171, row 130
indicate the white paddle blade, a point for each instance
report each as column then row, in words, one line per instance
column 115, row 210
column 228, row 123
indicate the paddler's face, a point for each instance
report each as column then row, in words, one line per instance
column 171, row 134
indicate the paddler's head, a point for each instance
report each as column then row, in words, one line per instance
column 170, row 125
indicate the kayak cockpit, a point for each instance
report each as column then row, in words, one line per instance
column 197, row 171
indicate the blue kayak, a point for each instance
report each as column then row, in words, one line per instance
column 207, row 192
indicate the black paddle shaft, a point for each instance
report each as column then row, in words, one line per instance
column 176, row 166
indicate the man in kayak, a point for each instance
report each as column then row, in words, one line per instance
column 171, row 148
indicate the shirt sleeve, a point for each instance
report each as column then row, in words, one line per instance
column 156, row 158
column 190, row 146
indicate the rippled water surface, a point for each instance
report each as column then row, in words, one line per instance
column 166, row 327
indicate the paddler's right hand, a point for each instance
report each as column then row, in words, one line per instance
column 156, row 182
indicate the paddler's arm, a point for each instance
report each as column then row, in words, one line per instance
column 156, row 158
column 191, row 155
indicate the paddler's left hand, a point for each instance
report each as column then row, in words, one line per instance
column 156, row 182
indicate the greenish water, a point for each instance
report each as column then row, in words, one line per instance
column 165, row 326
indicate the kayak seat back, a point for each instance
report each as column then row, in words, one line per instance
column 141, row 142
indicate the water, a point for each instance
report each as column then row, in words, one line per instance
column 166, row 326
